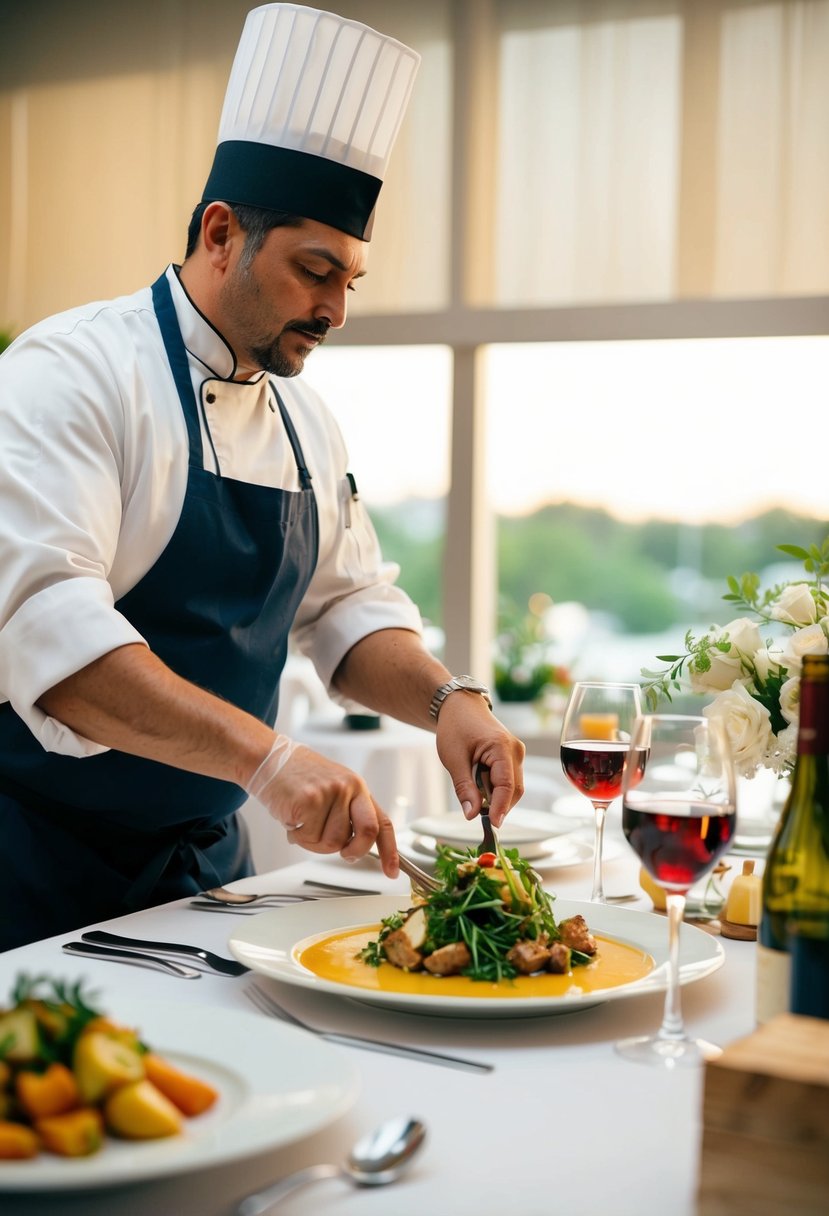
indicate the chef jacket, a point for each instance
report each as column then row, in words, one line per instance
column 93, row 478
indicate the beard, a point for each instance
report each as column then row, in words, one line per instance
column 271, row 358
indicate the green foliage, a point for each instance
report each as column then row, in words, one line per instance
column 584, row 554
column 6, row 338
column 746, row 595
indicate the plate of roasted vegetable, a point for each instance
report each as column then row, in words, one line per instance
column 491, row 942
column 89, row 1099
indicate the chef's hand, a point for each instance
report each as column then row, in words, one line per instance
column 468, row 733
column 324, row 807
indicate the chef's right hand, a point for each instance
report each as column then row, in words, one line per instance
column 323, row 806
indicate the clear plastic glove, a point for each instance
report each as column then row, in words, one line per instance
column 325, row 807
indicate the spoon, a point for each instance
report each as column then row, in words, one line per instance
column 376, row 1159
column 221, row 895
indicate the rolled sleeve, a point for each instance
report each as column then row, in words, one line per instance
column 346, row 621
column 51, row 636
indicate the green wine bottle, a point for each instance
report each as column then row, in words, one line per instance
column 795, row 905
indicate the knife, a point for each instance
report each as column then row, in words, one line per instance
column 88, row 950
column 223, row 966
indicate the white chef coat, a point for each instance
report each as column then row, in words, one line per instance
column 92, row 481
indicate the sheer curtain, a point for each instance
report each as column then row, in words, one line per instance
column 655, row 151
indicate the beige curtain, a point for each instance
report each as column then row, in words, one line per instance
column 654, row 151
column 108, row 120
column 614, row 150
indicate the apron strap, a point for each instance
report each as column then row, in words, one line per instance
column 177, row 355
column 299, row 456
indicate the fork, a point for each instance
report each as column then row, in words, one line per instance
column 423, row 884
column 266, row 1004
column 489, row 844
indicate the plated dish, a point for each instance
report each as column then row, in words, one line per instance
column 276, row 1084
column 273, row 944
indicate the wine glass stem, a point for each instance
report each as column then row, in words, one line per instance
column 598, row 886
column 672, row 1025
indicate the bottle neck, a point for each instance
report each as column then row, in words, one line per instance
column 813, row 730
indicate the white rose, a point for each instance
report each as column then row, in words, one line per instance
column 747, row 725
column 790, row 699
column 811, row 640
column 726, row 665
column 795, row 605
column 766, row 661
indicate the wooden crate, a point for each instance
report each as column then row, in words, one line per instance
column 765, row 1139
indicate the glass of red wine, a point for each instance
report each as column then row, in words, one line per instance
column 679, row 816
column 595, row 738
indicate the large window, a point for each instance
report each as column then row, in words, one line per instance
column 599, row 277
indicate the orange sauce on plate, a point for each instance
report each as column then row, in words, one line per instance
column 334, row 957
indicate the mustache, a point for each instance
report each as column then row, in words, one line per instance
column 317, row 329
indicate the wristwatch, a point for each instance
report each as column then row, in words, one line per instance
column 458, row 684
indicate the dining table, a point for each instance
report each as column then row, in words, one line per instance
column 561, row 1123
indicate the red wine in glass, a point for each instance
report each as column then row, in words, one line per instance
column 595, row 767
column 678, row 843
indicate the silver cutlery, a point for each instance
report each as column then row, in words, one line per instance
column 226, row 898
column 216, row 962
column 489, row 844
column 266, row 1004
column 423, row 884
column 336, row 889
column 375, row 1160
column 134, row 957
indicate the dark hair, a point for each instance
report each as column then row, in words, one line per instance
column 255, row 222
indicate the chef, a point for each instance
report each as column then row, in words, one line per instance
column 174, row 503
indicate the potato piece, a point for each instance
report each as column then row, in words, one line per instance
column 77, row 1133
column 52, row 1092
column 17, row 1141
column 19, row 1031
column 139, row 1111
column 102, row 1064
column 113, row 1030
column 5, row 1074
column 190, row 1094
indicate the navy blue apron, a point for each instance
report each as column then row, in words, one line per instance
column 85, row 839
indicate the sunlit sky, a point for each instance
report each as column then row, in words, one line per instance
column 690, row 430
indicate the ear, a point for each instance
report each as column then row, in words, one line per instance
column 220, row 233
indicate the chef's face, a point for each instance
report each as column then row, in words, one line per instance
column 278, row 303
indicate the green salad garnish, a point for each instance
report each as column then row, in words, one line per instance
column 492, row 905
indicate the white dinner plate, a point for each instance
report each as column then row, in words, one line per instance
column 272, row 942
column 561, row 851
column 521, row 829
column 276, row 1086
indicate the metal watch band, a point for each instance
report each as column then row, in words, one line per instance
column 457, row 684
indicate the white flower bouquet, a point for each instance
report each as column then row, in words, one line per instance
column 756, row 679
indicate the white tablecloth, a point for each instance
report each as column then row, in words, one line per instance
column 563, row 1124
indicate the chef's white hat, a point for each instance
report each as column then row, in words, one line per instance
column 312, row 109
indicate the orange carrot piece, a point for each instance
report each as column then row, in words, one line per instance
column 78, row 1133
column 190, row 1094
column 52, row 1092
column 17, row 1141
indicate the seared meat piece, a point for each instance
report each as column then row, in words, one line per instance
column 528, row 956
column 575, row 933
column 448, row 960
column 559, row 958
column 400, row 951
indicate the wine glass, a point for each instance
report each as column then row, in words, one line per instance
column 595, row 736
column 679, row 816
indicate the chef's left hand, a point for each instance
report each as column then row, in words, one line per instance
column 468, row 733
